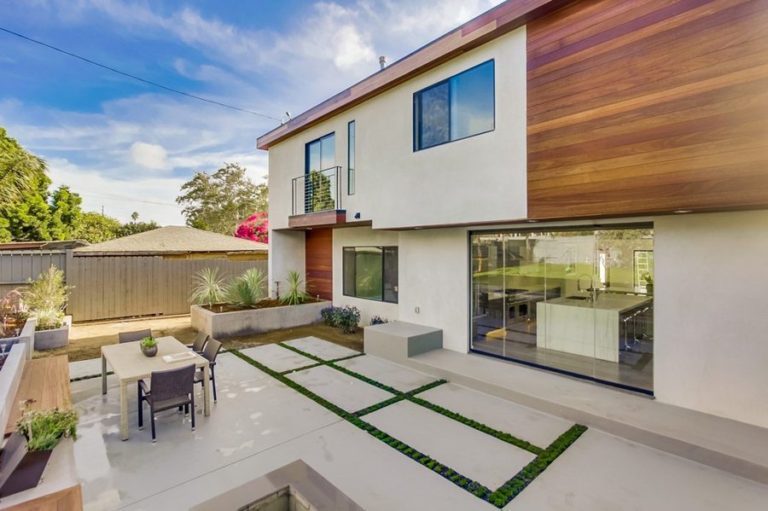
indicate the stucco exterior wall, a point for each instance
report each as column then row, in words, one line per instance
column 286, row 253
column 478, row 179
column 711, row 349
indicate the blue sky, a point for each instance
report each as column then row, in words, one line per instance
column 129, row 147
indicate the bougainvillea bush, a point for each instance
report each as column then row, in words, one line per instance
column 254, row 228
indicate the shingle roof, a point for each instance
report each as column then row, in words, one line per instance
column 173, row 240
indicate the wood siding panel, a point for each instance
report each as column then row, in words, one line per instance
column 319, row 263
column 647, row 107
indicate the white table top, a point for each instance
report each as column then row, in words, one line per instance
column 129, row 363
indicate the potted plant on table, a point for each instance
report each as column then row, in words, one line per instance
column 27, row 451
column 148, row 346
column 46, row 298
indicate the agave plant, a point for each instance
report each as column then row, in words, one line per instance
column 209, row 287
column 295, row 295
column 247, row 289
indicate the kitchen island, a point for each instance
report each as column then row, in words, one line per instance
column 585, row 327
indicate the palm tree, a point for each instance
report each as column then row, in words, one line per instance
column 19, row 170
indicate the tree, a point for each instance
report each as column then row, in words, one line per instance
column 95, row 228
column 65, row 213
column 28, row 217
column 135, row 227
column 218, row 202
column 20, row 171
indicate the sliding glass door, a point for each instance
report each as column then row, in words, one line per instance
column 576, row 301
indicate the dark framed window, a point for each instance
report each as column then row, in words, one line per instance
column 351, row 156
column 320, row 153
column 370, row 273
column 458, row 107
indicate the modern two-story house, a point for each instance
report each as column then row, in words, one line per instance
column 576, row 186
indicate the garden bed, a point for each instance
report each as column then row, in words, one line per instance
column 239, row 322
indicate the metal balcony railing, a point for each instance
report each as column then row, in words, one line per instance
column 318, row 190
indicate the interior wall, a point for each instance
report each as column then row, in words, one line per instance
column 710, row 313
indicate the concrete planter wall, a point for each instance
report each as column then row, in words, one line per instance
column 254, row 321
column 26, row 337
column 52, row 339
column 10, row 378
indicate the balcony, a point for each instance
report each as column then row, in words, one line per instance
column 316, row 199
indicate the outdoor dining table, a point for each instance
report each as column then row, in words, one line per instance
column 130, row 365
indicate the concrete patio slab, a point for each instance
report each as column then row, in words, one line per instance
column 254, row 412
column 539, row 428
column 321, row 348
column 601, row 472
column 340, row 389
column 474, row 454
column 277, row 358
column 395, row 375
column 85, row 368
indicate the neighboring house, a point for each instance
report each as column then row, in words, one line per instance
column 577, row 186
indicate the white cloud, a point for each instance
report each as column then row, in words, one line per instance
column 151, row 156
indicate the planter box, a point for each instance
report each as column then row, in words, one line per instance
column 52, row 339
column 221, row 325
column 20, row 469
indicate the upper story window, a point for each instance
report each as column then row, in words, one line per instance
column 458, row 107
column 321, row 153
column 351, row 158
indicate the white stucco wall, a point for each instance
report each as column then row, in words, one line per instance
column 478, row 179
column 711, row 313
column 286, row 253
column 362, row 237
column 434, row 276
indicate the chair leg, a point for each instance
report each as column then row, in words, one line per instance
column 141, row 411
column 152, row 412
column 213, row 380
column 193, row 408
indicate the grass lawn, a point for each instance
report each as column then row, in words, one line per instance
column 86, row 340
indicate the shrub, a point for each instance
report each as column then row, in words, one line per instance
column 378, row 320
column 329, row 315
column 348, row 319
column 209, row 287
column 247, row 289
column 46, row 298
column 44, row 428
column 295, row 295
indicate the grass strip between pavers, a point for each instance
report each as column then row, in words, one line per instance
column 448, row 473
column 89, row 377
column 483, row 428
column 501, row 496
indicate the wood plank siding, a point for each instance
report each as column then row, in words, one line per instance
column 319, row 263
column 647, row 106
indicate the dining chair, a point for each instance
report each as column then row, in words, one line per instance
column 133, row 336
column 199, row 343
column 210, row 352
column 173, row 388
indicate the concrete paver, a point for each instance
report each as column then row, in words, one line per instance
column 485, row 459
column 321, row 348
column 388, row 373
column 277, row 358
column 340, row 389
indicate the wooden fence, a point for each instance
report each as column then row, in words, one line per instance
column 111, row 287
column 128, row 286
column 17, row 267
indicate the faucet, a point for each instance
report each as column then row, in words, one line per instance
column 590, row 289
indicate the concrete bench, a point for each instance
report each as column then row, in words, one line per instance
column 399, row 340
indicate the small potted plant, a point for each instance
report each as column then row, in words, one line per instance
column 148, row 346
column 46, row 298
column 648, row 280
column 27, row 451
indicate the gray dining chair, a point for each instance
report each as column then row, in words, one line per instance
column 210, row 352
column 133, row 336
column 173, row 388
column 199, row 343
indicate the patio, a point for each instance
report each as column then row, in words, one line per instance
column 260, row 424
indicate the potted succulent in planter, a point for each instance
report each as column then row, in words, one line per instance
column 26, row 452
column 45, row 299
column 148, row 346
column 648, row 280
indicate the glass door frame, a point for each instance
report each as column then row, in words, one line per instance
column 543, row 228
